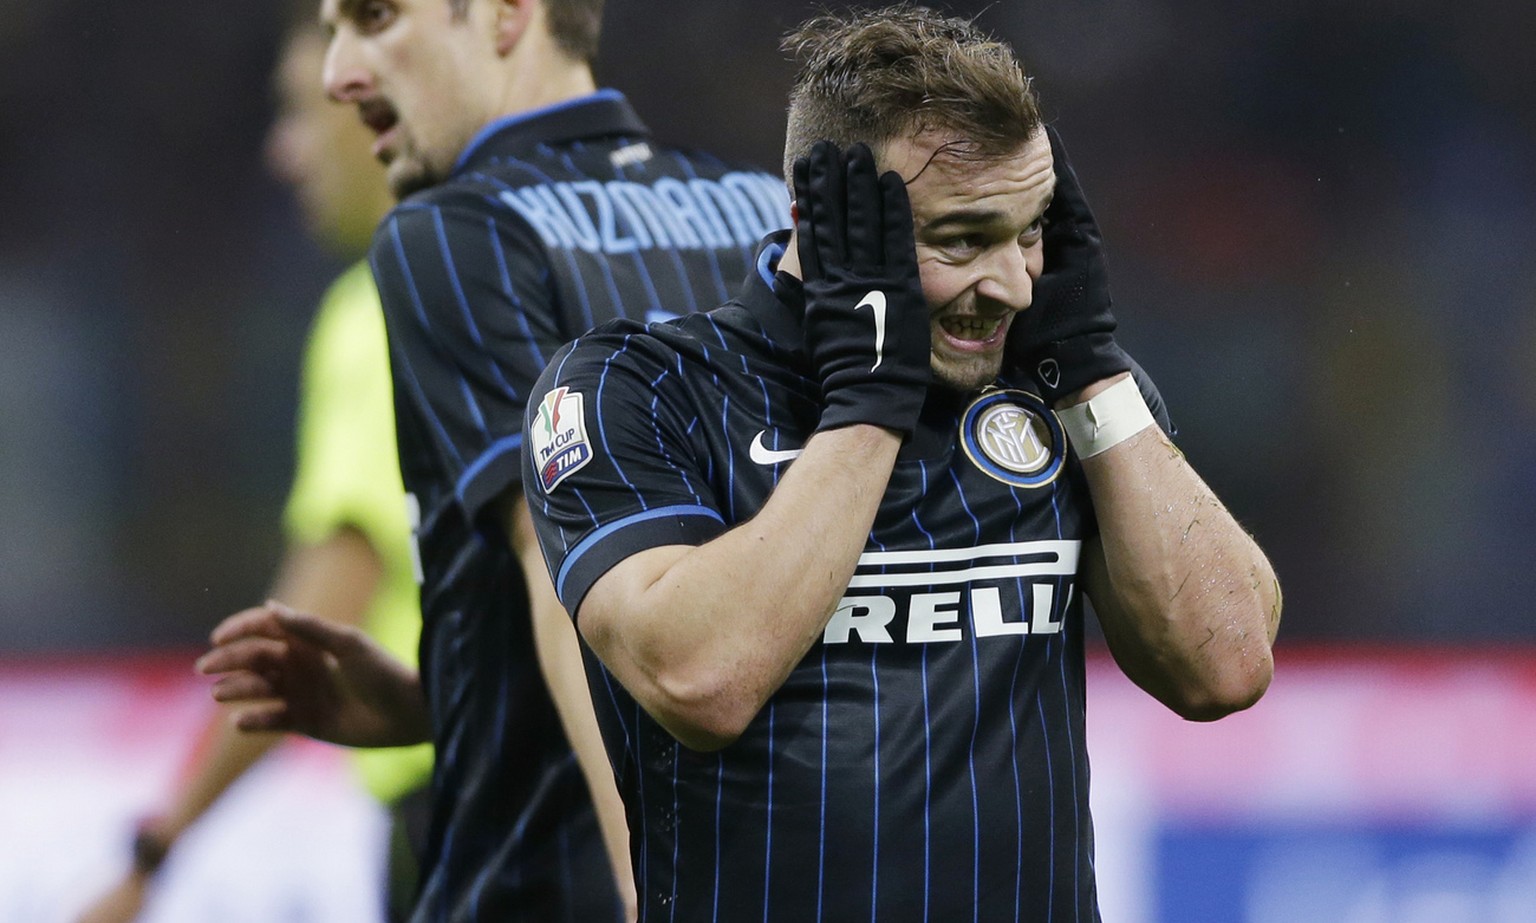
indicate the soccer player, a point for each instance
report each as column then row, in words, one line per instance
column 830, row 541
column 536, row 206
column 348, row 552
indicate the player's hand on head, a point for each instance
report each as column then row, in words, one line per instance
column 289, row 671
column 1066, row 340
column 866, row 320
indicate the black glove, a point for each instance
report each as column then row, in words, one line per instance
column 1067, row 339
column 866, row 320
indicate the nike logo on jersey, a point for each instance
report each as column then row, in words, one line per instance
column 875, row 301
column 762, row 455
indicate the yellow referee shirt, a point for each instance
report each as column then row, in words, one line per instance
column 348, row 475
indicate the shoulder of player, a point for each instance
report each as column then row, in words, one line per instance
column 646, row 351
column 600, row 160
column 706, row 160
column 622, row 342
column 498, row 191
column 693, row 164
column 349, row 307
column 350, row 291
column 448, row 213
column 459, row 198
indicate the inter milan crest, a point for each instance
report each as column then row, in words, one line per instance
column 1014, row 437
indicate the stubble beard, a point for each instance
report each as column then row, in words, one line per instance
column 409, row 174
column 967, row 373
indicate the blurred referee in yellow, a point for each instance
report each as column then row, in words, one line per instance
column 348, row 555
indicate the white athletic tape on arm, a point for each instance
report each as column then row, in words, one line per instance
column 1107, row 419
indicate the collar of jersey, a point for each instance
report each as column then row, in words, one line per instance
column 775, row 299
column 606, row 112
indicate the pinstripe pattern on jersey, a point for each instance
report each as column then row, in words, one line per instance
column 931, row 758
column 483, row 278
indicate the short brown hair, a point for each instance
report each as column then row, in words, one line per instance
column 575, row 25
column 877, row 75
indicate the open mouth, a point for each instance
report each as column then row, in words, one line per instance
column 975, row 332
column 380, row 117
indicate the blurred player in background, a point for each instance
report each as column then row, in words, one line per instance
column 534, row 205
column 348, row 540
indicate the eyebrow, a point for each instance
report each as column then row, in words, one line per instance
column 977, row 218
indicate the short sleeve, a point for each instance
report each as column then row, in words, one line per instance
column 472, row 322
column 346, row 469
column 610, row 468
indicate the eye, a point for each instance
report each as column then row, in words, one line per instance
column 962, row 246
column 1033, row 232
column 375, row 16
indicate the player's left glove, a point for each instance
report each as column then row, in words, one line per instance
column 1066, row 340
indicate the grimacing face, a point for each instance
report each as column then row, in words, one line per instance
column 977, row 225
column 417, row 75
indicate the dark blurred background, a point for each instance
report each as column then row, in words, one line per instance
column 1321, row 217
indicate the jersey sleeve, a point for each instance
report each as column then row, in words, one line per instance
column 610, row 468
column 346, row 472
column 472, row 321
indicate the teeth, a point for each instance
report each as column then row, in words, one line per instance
column 971, row 328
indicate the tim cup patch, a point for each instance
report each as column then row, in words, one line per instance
column 1012, row 436
column 559, row 437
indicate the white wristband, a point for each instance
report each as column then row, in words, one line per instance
column 1107, row 419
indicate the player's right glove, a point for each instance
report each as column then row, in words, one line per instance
column 1067, row 339
column 866, row 320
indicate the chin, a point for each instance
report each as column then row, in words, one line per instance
column 407, row 175
column 965, row 374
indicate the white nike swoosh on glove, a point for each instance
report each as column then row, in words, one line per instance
column 875, row 300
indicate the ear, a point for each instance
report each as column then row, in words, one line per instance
column 513, row 18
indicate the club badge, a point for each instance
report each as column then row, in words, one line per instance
column 1012, row 436
column 558, row 437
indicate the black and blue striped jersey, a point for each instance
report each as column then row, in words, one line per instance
column 551, row 222
column 926, row 760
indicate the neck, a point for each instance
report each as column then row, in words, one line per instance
column 789, row 263
column 547, row 89
column 536, row 74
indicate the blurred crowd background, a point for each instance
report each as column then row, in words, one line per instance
column 1321, row 218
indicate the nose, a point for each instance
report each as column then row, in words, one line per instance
column 345, row 76
column 1009, row 278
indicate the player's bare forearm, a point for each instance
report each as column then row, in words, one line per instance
column 703, row 636
column 559, row 654
column 1188, row 602
column 335, row 578
column 224, row 756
